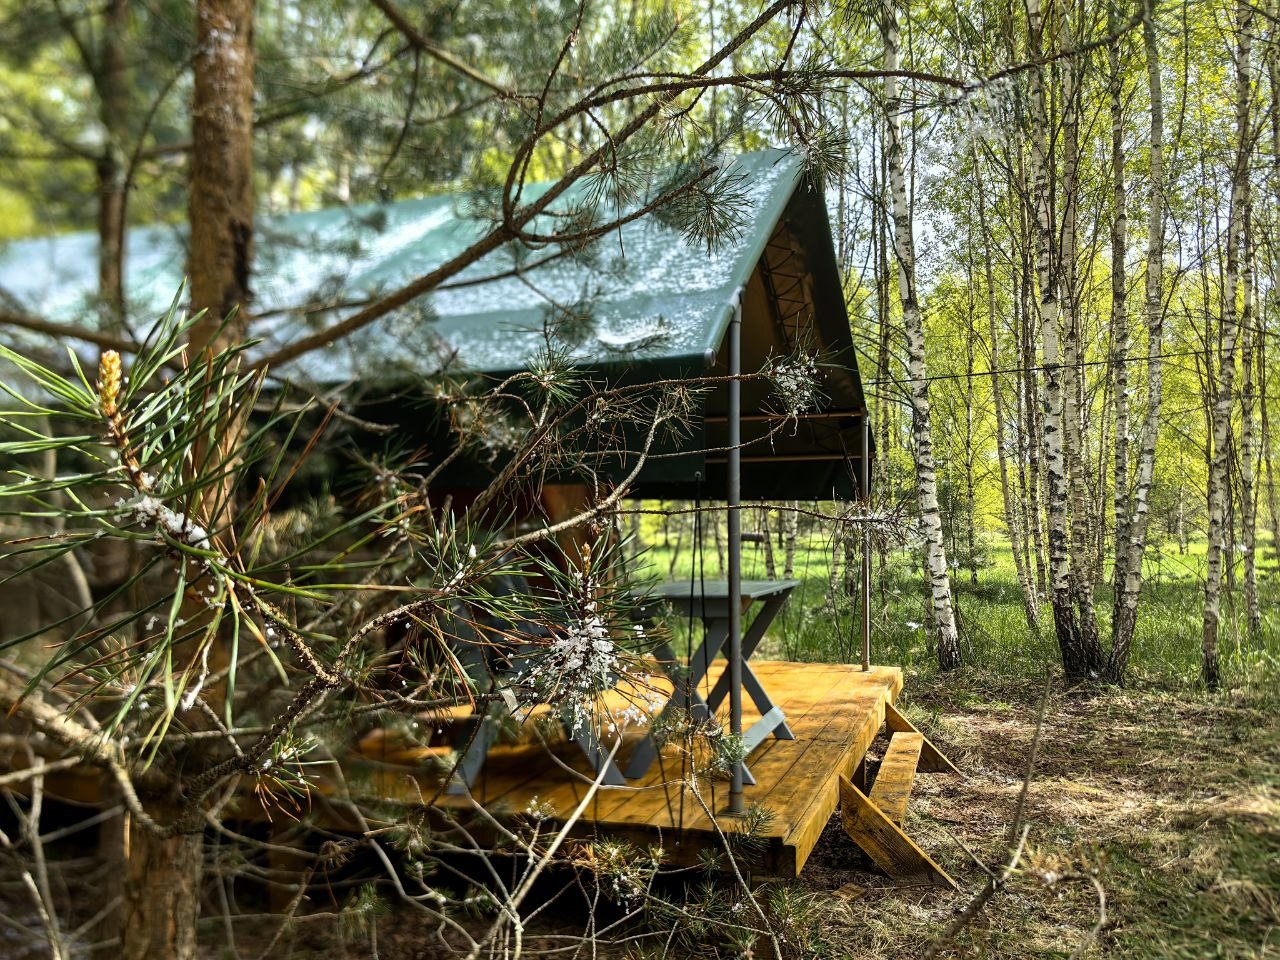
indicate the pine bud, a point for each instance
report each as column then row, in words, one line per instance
column 109, row 378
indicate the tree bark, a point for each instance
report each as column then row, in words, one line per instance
column 790, row 522
column 163, row 880
column 112, row 82
column 1224, row 398
column 1030, row 604
column 1131, row 548
column 770, row 565
column 1074, row 409
column 1248, row 487
column 1033, row 433
column 943, row 613
column 1076, row 661
column 221, row 201
column 1119, row 313
column 162, row 895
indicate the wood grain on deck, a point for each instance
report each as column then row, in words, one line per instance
column 834, row 710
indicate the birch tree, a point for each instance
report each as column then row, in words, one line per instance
column 1131, row 531
column 1077, row 659
column 1246, row 454
column 1227, row 350
column 941, row 608
column 1072, row 374
column 1030, row 602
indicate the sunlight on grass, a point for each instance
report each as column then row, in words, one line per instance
column 820, row 624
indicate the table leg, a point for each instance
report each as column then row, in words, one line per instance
column 685, row 690
column 755, row 633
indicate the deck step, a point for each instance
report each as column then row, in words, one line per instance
column 892, row 787
column 932, row 760
column 884, row 842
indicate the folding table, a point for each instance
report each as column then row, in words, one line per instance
column 709, row 601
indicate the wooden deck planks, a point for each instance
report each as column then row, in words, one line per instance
column 892, row 788
column 834, row 711
column 889, row 848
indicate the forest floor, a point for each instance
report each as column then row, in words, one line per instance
column 1167, row 794
column 1172, row 800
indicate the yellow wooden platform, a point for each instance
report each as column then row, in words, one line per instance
column 834, row 710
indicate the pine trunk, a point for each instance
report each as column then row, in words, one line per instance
column 221, row 201
column 162, row 895
column 112, row 81
column 162, row 883
column 942, row 610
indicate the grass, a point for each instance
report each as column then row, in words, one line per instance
column 1169, row 794
column 1171, row 799
column 819, row 626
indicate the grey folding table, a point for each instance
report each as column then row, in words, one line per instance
column 709, row 601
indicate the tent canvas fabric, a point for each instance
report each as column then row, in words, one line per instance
column 654, row 304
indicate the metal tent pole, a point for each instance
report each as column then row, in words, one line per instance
column 865, row 484
column 735, row 545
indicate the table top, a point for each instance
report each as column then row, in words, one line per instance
column 719, row 589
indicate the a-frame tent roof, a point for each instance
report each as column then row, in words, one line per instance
column 655, row 306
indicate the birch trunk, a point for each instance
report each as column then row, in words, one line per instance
column 766, row 534
column 1248, row 489
column 1223, row 400
column 1033, row 431
column 1075, row 660
column 941, row 608
column 1030, row 603
column 1265, row 454
column 790, row 521
column 1073, row 400
column 1119, row 312
column 970, row 497
column 1131, row 548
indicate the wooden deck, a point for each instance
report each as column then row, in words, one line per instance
column 835, row 711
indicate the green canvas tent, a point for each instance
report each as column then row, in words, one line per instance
column 655, row 306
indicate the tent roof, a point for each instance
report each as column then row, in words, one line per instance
column 656, row 306
column 653, row 297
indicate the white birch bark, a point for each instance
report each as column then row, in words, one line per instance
column 1131, row 549
column 1223, row 401
column 1030, row 601
column 790, row 520
column 1119, row 309
column 942, row 610
column 1074, row 660
column 1248, row 488
column 1073, row 408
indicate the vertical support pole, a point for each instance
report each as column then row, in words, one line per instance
column 735, row 545
column 865, row 484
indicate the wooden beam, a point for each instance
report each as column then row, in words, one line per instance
column 884, row 842
column 932, row 760
column 892, row 788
